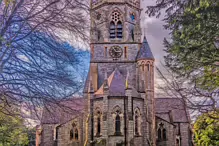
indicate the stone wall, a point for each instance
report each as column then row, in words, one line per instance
column 64, row 133
column 47, row 138
column 170, row 131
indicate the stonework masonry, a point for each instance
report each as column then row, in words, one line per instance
column 118, row 107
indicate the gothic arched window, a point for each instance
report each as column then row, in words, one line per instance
column 119, row 30
column 136, row 125
column 98, row 35
column 55, row 134
column 116, row 27
column 137, row 120
column 112, row 30
column 98, row 123
column 164, row 134
column 117, row 124
column 71, row 134
column 159, row 134
column 177, row 142
column 76, row 134
column 132, row 34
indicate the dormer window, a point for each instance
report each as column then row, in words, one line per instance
column 116, row 27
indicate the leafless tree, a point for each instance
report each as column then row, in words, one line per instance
column 36, row 65
column 196, row 99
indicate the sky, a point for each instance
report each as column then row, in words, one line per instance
column 155, row 32
column 153, row 26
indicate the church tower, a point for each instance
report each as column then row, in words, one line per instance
column 120, row 84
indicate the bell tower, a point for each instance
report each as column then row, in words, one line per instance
column 115, row 34
column 122, row 93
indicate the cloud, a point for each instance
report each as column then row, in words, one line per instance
column 154, row 31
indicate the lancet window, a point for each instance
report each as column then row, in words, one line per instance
column 118, row 124
column 74, row 134
column 137, row 119
column 162, row 132
column 117, row 116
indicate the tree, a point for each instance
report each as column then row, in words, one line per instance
column 12, row 131
column 206, row 130
column 36, row 65
column 195, row 99
column 192, row 53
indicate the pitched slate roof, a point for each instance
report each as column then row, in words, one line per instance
column 145, row 51
column 116, row 84
column 174, row 107
column 63, row 111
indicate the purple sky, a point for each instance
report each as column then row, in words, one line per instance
column 155, row 32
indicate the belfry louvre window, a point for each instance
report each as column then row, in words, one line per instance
column 119, row 30
column 116, row 27
column 112, row 30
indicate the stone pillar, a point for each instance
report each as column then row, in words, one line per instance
column 145, row 124
column 105, row 111
column 129, row 115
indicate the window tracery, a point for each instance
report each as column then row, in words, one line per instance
column 98, row 121
column 116, row 26
column 162, row 132
column 74, row 133
column 117, row 119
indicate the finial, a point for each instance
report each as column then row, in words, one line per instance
column 144, row 38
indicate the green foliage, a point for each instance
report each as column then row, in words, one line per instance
column 193, row 51
column 12, row 131
column 206, row 129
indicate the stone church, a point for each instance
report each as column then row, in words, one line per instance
column 119, row 107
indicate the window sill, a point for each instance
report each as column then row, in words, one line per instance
column 117, row 133
column 162, row 140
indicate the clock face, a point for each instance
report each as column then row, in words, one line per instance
column 115, row 51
